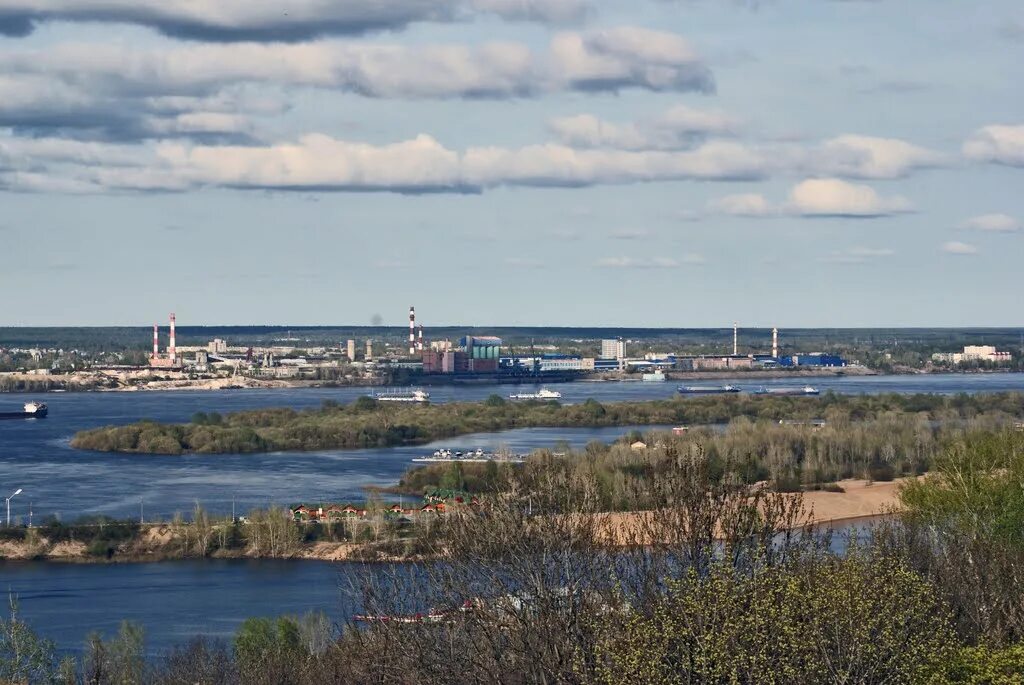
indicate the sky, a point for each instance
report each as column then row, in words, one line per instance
column 678, row 163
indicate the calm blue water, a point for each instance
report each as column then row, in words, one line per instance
column 34, row 455
column 176, row 600
column 173, row 601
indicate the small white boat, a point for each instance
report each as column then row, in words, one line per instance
column 542, row 394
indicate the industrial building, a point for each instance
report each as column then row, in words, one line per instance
column 815, row 359
column 171, row 359
column 475, row 354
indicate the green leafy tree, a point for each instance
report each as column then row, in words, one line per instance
column 861, row 619
column 25, row 657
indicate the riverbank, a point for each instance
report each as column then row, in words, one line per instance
column 161, row 542
column 143, row 380
column 370, row 423
column 860, row 499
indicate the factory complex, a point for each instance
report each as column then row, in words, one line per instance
column 471, row 357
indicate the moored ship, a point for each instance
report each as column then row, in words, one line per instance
column 32, row 410
column 472, row 456
column 706, row 389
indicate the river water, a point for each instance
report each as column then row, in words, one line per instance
column 176, row 600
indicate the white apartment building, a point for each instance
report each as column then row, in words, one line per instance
column 973, row 353
column 614, row 348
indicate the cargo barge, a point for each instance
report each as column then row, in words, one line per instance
column 706, row 389
column 32, row 410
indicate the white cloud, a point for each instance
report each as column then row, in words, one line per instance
column 819, row 197
column 678, row 128
column 268, row 20
column 998, row 144
column 833, row 197
column 649, row 262
column 996, row 223
column 608, row 60
column 854, row 156
column 958, row 248
column 745, row 204
column 320, row 162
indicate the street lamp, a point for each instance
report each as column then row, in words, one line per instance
column 16, row 493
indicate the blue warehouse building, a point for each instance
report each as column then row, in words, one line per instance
column 829, row 360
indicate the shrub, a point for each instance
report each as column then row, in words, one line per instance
column 881, row 472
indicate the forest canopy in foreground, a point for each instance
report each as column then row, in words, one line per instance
column 368, row 423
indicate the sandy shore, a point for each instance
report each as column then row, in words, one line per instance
column 861, row 499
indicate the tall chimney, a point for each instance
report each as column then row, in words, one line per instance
column 775, row 343
column 156, row 342
column 735, row 339
column 419, row 343
column 171, row 348
column 412, row 331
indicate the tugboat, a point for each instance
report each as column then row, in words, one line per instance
column 32, row 410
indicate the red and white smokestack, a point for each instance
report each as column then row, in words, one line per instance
column 156, row 342
column 775, row 343
column 412, row 330
column 419, row 343
column 171, row 347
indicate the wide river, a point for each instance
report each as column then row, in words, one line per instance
column 178, row 599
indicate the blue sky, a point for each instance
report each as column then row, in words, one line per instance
column 548, row 162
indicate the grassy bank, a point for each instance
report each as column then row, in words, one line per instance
column 368, row 423
column 262, row 534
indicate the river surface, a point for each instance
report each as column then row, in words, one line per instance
column 175, row 600
column 35, row 456
column 178, row 600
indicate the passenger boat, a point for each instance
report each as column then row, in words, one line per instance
column 402, row 395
